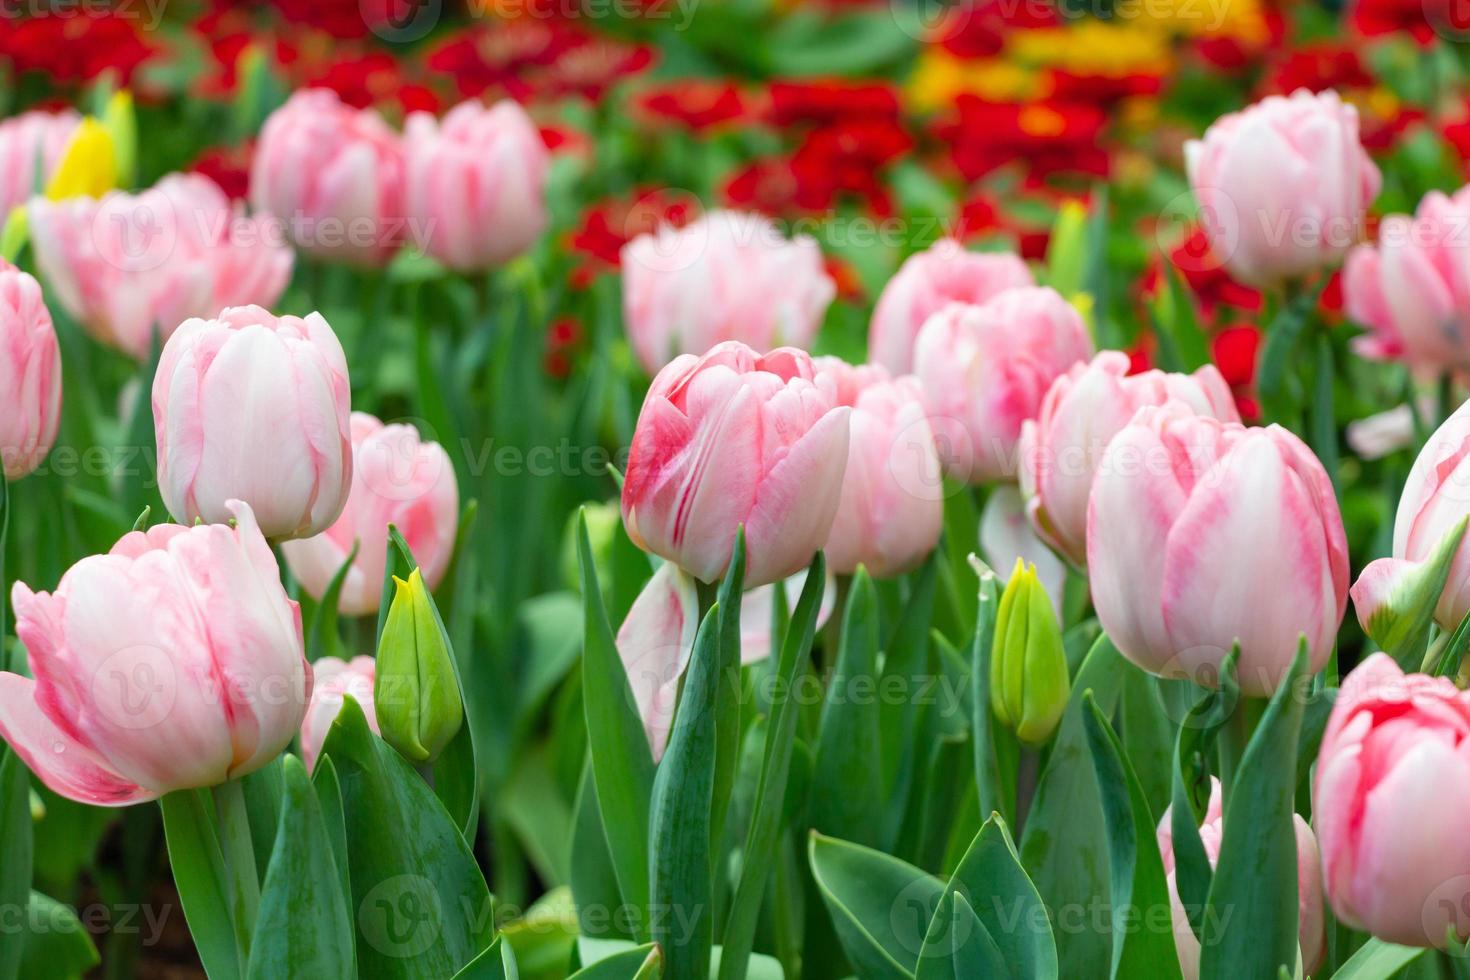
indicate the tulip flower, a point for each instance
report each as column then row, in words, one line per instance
column 254, row 407
column 476, row 184
column 731, row 438
column 416, row 692
column 892, row 505
column 1392, row 783
column 1081, row 413
column 334, row 680
column 30, row 374
column 174, row 661
column 1311, row 934
column 396, row 479
column 727, row 276
column 1202, row 534
column 1028, row 667
column 985, row 370
column 1412, row 289
column 334, row 176
column 926, row 283
column 1432, row 503
column 1282, row 186
column 128, row 265
column 31, row 142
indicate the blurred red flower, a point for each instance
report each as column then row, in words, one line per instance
column 70, row 49
column 692, row 103
column 610, row 224
column 822, row 103
column 1048, row 137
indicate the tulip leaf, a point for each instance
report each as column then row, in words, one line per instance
column 995, row 890
column 329, row 798
column 496, row 963
column 54, row 943
column 1190, row 789
column 881, row 906
column 594, row 881
column 1282, row 334
column 422, row 907
column 973, row 951
column 847, row 796
column 1378, row 960
column 1064, row 847
column 727, row 698
column 322, row 637
column 15, row 831
column 4, row 603
column 906, row 666
column 679, row 819
column 771, row 790
column 1454, row 650
column 304, row 926
column 622, row 763
column 987, row 768
column 263, row 791
column 1254, row 891
column 632, row 964
column 1138, row 883
column 202, row 880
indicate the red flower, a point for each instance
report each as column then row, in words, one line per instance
column 609, row 225
column 1318, row 67
column 500, row 55
column 1102, row 90
column 229, row 167
column 978, row 29
column 75, row 49
column 1423, row 20
column 823, row 103
column 1049, row 137
column 592, row 67
column 1207, row 278
column 374, row 79
column 1234, row 351
column 693, row 104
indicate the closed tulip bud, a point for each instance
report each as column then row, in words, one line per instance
column 1202, row 534
column 985, row 370
column 1282, row 186
column 334, row 175
column 731, row 438
column 476, row 183
column 398, row 479
column 926, row 283
column 175, row 661
column 254, row 407
column 1028, row 666
column 1391, row 789
column 416, row 693
column 334, row 680
column 1411, row 288
column 30, row 374
column 728, row 276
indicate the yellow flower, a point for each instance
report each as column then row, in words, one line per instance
column 940, row 77
column 1092, row 47
column 88, row 168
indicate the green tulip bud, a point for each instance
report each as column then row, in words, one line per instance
column 416, row 692
column 604, row 519
column 1028, row 666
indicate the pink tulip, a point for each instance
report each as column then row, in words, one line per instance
column 1202, row 533
column 926, row 283
column 985, row 370
column 132, row 264
column 1312, row 939
column 892, row 505
column 1390, row 793
column 254, row 407
column 728, row 276
column 731, row 438
column 27, row 140
column 333, row 681
column 657, row 639
column 334, row 176
column 1081, row 413
column 173, row 661
column 476, row 184
column 396, row 479
column 1434, row 498
column 30, row 374
column 1412, row 289
column 1282, row 186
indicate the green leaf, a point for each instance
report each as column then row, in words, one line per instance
column 1178, row 319
column 994, row 889
column 1138, row 883
column 1378, row 960
column 847, row 795
column 987, row 771
column 1147, row 735
column 1190, row 789
column 202, row 880
column 1455, row 648
column 1282, row 334
column 622, row 763
column 1255, row 876
column 594, row 952
column 422, row 907
column 496, row 963
column 15, row 831
column 727, row 698
column 1400, row 625
column 329, row 798
column 303, row 927
column 906, row 665
column 973, row 950
column 593, row 880
column 55, row 944
column 1064, row 847
column 765, row 823
column 1323, row 419
column 880, row 905
column 633, row 964
column 322, row 637
column 679, row 822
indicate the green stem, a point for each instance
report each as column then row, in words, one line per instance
column 1236, row 735
column 239, row 854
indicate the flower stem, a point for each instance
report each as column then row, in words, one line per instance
column 239, row 854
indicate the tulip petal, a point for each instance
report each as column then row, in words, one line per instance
column 800, row 493
column 655, row 642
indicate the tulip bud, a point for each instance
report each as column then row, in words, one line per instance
column 1028, row 669
column 416, row 692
